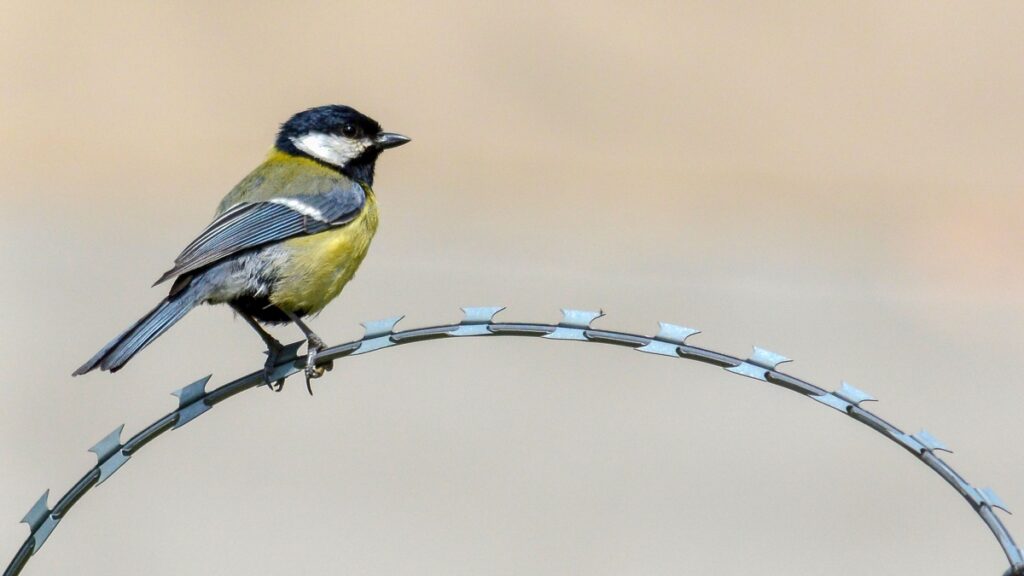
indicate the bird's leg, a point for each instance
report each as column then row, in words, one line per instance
column 314, row 344
column 274, row 349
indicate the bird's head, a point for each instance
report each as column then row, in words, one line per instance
column 338, row 136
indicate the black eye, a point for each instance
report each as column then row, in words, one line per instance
column 350, row 130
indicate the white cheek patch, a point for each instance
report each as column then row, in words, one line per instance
column 331, row 148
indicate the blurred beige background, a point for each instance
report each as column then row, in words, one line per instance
column 840, row 183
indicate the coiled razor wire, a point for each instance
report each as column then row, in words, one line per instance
column 194, row 400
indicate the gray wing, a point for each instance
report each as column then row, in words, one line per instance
column 252, row 224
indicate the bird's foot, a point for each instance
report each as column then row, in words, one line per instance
column 314, row 345
column 273, row 354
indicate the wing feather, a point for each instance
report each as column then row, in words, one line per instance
column 252, row 224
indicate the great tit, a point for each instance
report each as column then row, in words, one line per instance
column 283, row 242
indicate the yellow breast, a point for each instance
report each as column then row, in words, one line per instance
column 319, row 266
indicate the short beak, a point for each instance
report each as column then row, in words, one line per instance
column 386, row 140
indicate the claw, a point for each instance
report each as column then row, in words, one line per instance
column 313, row 346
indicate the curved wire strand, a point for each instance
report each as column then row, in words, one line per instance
column 194, row 400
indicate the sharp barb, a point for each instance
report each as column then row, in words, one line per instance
column 377, row 335
column 38, row 513
column 192, row 392
column 931, row 442
column 106, row 447
column 574, row 324
column 674, row 333
column 766, row 358
column 290, row 351
column 189, row 413
column 475, row 321
column 990, row 497
column 660, row 347
column 190, row 402
column 378, row 328
column 758, row 364
column 285, row 365
column 670, row 337
column 854, row 395
column 579, row 318
column 480, row 314
column 111, row 465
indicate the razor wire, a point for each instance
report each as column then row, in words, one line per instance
column 194, row 400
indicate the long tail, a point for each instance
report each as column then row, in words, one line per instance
column 120, row 350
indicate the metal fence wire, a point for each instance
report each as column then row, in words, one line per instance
column 194, row 400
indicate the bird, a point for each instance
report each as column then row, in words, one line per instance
column 284, row 241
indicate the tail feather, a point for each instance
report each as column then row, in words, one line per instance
column 121, row 349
